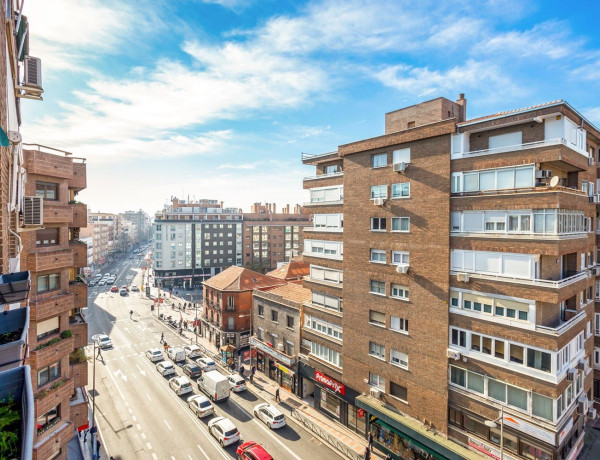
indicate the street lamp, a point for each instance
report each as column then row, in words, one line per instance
column 493, row 424
column 249, row 337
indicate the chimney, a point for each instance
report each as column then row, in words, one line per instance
column 462, row 102
column 274, row 209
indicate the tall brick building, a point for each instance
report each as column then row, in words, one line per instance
column 54, row 256
column 469, row 258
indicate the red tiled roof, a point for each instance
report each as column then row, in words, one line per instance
column 241, row 279
column 291, row 271
column 293, row 292
column 509, row 112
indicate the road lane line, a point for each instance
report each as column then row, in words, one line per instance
column 166, row 423
column 268, row 431
column 134, row 418
column 148, row 396
column 139, row 427
column 148, row 446
column 190, row 457
column 202, row 450
column 154, row 456
column 143, row 435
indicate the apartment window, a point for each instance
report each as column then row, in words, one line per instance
column 323, row 327
column 516, row 354
column 376, row 350
column 331, row 169
column 377, row 381
column 400, row 224
column 231, row 323
column 401, row 155
column 290, row 321
column 261, row 310
column 398, row 391
column 47, row 328
column 401, row 190
column 274, row 340
column 326, row 354
column 379, row 160
column 378, row 191
column 458, row 338
column 48, row 374
column 260, row 333
column 377, row 287
column 289, row 348
column 46, row 190
column 538, row 360
column 377, row 318
column 378, row 224
column 378, row 256
column 400, row 257
column 398, row 324
column 46, row 283
column 49, row 419
column 399, row 359
column 399, row 292
column 46, row 237
column 326, row 301
column 274, row 315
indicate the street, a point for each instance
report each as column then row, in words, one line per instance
column 139, row 415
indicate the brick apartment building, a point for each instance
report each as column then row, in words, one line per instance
column 55, row 256
column 469, row 257
column 99, row 233
column 272, row 238
column 114, row 227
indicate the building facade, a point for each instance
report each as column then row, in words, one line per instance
column 469, row 258
column 99, row 233
column 115, row 231
column 195, row 240
column 140, row 230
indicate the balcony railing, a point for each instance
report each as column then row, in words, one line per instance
column 564, row 327
column 554, row 284
column 517, row 147
column 313, row 156
column 324, row 176
column 323, row 203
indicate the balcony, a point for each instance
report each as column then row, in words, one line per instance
column 50, row 260
column 80, row 215
column 48, row 164
column 15, row 384
column 553, row 284
column 80, row 249
column 14, row 287
column 313, row 159
column 309, row 204
column 514, row 148
column 57, row 213
column 79, row 329
column 79, row 180
column 322, row 180
column 14, row 325
column 59, row 346
column 79, row 368
column 51, row 304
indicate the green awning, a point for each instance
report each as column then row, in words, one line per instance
column 4, row 142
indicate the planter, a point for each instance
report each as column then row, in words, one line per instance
column 13, row 328
column 14, row 287
column 15, row 384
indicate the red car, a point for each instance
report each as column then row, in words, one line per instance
column 114, row 289
column 252, row 451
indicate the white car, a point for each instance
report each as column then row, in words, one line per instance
column 192, row 351
column 236, row 382
column 154, row 354
column 102, row 282
column 201, row 406
column 165, row 368
column 269, row 414
column 206, row 364
column 180, row 385
column 102, row 341
column 110, row 280
column 224, row 431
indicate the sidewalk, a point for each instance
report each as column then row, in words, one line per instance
column 87, row 441
column 329, row 431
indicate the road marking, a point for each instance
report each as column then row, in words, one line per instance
column 143, row 435
column 148, row 446
column 148, row 396
column 134, row 418
column 190, row 457
column 166, row 423
column 172, row 458
column 130, row 411
column 139, row 427
column 119, row 372
column 154, row 456
column 202, row 450
column 110, row 374
column 268, row 431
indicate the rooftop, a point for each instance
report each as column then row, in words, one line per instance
column 294, row 292
column 241, row 279
column 296, row 269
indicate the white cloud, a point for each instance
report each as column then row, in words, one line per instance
column 245, row 166
column 593, row 115
column 234, row 5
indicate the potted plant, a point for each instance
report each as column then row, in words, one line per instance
column 16, row 413
column 13, row 337
column 14, row 287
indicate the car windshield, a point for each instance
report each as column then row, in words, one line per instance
column 104, row 339
column 231, row 432
column 186, row 385
column 210, row 363
column 204, row 404
column 279, row 417
column 194, row 368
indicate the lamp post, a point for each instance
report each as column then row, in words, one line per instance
column 250, row 336
column 493, row 424
column 94, row 397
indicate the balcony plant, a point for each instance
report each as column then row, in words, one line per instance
column 13, row 336
column 63, row 335
column 10, row 425
column 77, row 357
column 14, row 287
column 54, row 386
column 16, row 414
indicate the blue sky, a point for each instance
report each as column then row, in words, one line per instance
column 218, row 98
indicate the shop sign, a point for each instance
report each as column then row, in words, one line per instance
column 283, row 368
column 565, row 431
column 360, row 413
column 330, row 383
column 271, row 352
column 529, row 429
column 486, row 449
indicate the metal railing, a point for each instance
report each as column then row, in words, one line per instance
column 330, row 439
column 512, row 148
column 557, row 284
column 311, row 156
column 324, row 176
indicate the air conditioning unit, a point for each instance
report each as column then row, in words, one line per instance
column 543, row 174
column 452, row 354
column 400, row 167
column 464, row 277
column 596, row 270
column 280, row 347
column 571, row 375
column 583, row 365
column 583, row 405
column 378, row 201
column 33, row 211
column 592, row 413
column 591, row 161
column 375, row 392
column 33, row 72
column 402, row 268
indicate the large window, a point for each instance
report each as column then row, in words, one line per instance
column 379, row 160
column 378, row 191
column 46, row 190
column 401, row 190
column 401, row 156
column 323, row 327
column 46, row 283
column 326, row 194
column 327, row 301
column 493, row 179
column 328, row 221
column 47, row 237
column 326, row 354
column 48, row 374
column 377, row 350
column 49, row 419
column 47, row 328
column 326, row 274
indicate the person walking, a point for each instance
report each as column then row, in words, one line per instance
column 98, row 445
column 99, row 355
column 370, row 441
column 277, row 398
column 242, row 370
column 166, row 345
column 162, row 337
column 388, row 457
column 130, row 313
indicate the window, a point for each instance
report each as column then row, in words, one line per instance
column 378, row 256
column 377, row 318
column 331, row 169
column 401, row 156
column 260, row 333
column 377, row 381
column 538, row 360
column 274, row 315
column 542, row 406
column 323, row 327
column 399, row 291
column 290, row 321
column 326, row 301
column 399, row 359
column 458, row 338
column 289, row 348
column 475, row 382
column 376, row 350
column 46, row 283
column 516, row 397
column 46, row 237
column 401, row 190
column 274, row 338
column 46, row 190
column 378, row 191
column 377, row 287
column 49, row 419
column 379, row 160
column 458, row 376
column 47, row 328
column 48, row 374
column 398, row 324
column 398, row 391
column 378, row 224
column 231, row 323
column 533, row 452
column 516, row 354
column 326, row 354
column 400, row 224
column 400, row 257
column 231, row 303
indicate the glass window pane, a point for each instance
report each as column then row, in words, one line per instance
column 471, row 182
column 458, row 376
column 505, row 179
column 497, row 390
column 517, row 397
column 476, row 382
column 524, row 177
column 542, row 406
column 487, row 180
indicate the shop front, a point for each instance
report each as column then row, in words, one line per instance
column 331, row 397
column 275, row 365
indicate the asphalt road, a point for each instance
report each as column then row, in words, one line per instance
column 140, row 416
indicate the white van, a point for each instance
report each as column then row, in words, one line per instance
column 176, row 354
column 215, row 385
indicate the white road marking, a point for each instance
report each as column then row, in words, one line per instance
column 134, row 418
column 154, row 456
column 148, row 446
column 172, row 458
column 143, row 435
column 268, row 431
column 139, row 427
column 166, row 423
column 130, row 411
column 190, row 457
column 202, row 450
column 119, row 372
column 110, row 374
column 148, row 396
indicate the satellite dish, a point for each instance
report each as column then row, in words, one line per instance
column 554, row 181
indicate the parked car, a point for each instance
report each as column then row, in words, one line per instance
column 102, row 282
column 123, row 293
column 192, row 351
column 114, row 289
column 252, row 451
column 176, row 354
column 154, row 354
column 102, row 341
column 181, row 385
column 92, row 283
column 201, row 406
column 125, row 287
column 269, row 414
column 165, row 368
column 206, row 364
column 236, row 382
column 224, row 431
column 215, row 385
column 135, row 289
column 193, row 371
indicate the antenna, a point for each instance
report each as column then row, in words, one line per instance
column 554, row 181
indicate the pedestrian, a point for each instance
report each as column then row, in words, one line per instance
column 130, row 313
column 242, row 370
column 85, row 433
column 162, row 337
column 367, row 453
column 277, row 398
column 370, row 440
column 166, row 345
column 388, row 457
column 98, row 447
column 99, row 355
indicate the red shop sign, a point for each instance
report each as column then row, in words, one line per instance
column 361, row 413
column 330, row 383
